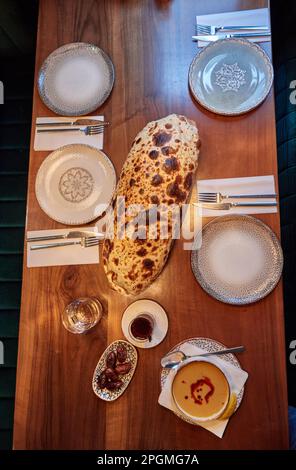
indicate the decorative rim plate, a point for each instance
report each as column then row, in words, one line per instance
column 240, row 260
column 76, row 79
column 231, row 76
column 209, row 345
column 160, row 318
column 75, row 184
column 132, row 356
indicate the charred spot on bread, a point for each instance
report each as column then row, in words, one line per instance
column 178, row 179
column 171, row 164
column 142, row 252
column 154, row 199
column 148, row 264
column 132, row 182
column 132, row 275
column 168, row 125
column 116, row 261
column 161, row 138
column 153, row 154
column 167, row 150
column 157, row 180
column 108, row 246
column 175, row 192
column 188, row 181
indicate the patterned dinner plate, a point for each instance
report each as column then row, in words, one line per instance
column 132, row 357
column 231, row 76
column 240, row 259
column 75, row 184
column 209, row 345
column 76, row 79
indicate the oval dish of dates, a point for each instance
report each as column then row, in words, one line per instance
column 115, row 370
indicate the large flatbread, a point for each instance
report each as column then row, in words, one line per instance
column 159, row 170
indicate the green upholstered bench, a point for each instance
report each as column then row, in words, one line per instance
column 18, row 25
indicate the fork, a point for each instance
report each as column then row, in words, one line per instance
column 209, row 29
column 225, row 206
column 218, row 197
column 85, row 242
column 88, row 130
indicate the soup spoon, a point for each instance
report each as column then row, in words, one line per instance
column 176, row 357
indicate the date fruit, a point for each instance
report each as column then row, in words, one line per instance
column 111, row 375
column 114, row 385
column 111, row 360
column 102, row 380
column 122, row 369
column 121, row 353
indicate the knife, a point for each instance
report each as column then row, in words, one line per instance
column 77, row 122
column 217, row 37
column 75, row 234
column 224, row 206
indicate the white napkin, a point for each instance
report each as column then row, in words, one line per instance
column 54, row 140
column 257, row 17
column 61, row 256
column 232, row 186
column 238, row 378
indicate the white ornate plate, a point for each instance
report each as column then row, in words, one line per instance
column 75, row 184
column 132, row 356
column 76, row 79
column 231, row 76
column 209, row 345
column 240, row 259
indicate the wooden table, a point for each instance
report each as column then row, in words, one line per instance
column 150, row 45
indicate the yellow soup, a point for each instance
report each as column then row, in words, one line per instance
column 200, row 389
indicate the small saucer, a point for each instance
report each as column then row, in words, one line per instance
column 160, row 318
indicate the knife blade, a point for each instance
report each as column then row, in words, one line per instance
column 217, row 37
column 224, row 206
column 77, row 122
column 74, row 234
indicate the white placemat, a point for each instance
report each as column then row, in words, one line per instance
column 257, row 17
column 238, row 378
column 249, row 185
column 59, row 256
column 54, row 140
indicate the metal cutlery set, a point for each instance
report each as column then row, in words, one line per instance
column 218, row 201
column 87, row 239
column 87, row 126
column 212, row 33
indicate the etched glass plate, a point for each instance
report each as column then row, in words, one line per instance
column 75, row 184
column 240, row 260
column 209, row 345
column 76, row 79
column 231, row 76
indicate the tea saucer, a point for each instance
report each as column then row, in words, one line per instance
column 160, row 318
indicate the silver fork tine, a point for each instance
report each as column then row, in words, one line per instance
column 88, row 243
column 95, row 132
column 91, row 239
column 92, row 130
column 205, row 194
column 203, row 28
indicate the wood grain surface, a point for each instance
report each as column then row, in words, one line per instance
column 150, row 44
